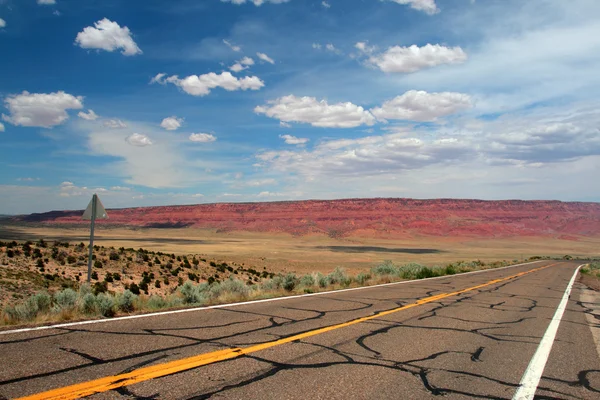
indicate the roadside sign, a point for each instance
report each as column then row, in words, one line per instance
column 94, row 210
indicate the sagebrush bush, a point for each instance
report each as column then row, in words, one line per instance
column 106, row 304
column 88, row 303
column 125, row 301
column 43, row 301
column 65, row 299
column 307, row 281
column 386, row 268
column 290, row 281
column 363, row 277
column 157, row 302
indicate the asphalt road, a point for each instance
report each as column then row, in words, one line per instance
column 473, row 344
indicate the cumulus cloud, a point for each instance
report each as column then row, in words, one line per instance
column 201, row 85
column 317, row 46
column 242, row 64
column 265, row 58
column 46, row 2
column 232, row 46
column 171, row 123
column 40, row 109
column 202, row 137
column 289, row 139
column 114, row 124
column 2, row 23
column 139, row 140
column 90, row 115
column 159, row 78
column 427, row 6
column 108, row 35
column 371, row 155
column 422, row 106
column 364, row 47
column 309, row 110
column 325, row 4
column 414, row 58
column 255, row 2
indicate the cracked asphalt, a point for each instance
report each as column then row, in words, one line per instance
column 474, row 345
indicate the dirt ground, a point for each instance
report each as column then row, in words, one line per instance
column 286, row 253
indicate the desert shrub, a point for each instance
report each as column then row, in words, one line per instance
column 307, row 281
column 97, row 264
column 116, row 276
column 339, row 276
column 94, row 275
column 194, row 294
column 88, row 304
column 99, row 287
column 106, row 305
column 134, row 288
column 65, row 299
column 386, row 268
column 157, row 284
column 363, row 277
column 425, row 272
column 322, row 280
column 108, row 278
column 42, row 300
column 233, row 287
column 71, row 259
column 410, row 271
column 10, row 253
column 157, row 302
column 449, row 270
column 125, row 301
column 290, row 281
column 21, row 312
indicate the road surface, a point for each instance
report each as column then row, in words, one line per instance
column 462, row 336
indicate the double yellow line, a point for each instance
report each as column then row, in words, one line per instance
column 156, row 371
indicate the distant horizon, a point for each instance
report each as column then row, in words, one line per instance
column 306, row 200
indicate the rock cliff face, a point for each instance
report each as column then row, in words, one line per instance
column 364, row 217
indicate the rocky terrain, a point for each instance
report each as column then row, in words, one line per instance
column 361, row 217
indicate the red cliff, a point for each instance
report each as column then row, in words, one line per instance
column 364, row 217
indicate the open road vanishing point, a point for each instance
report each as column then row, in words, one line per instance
column 516, row 332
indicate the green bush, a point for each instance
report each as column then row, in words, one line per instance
column 65, row 299
column 307, row 281
column 43, row 301
column 386, row 268
column 156, row 302
column 106, row 305
column 88, row 304
column 290, row 282
column 362, row 278
column 339, row 276
column 125, row 302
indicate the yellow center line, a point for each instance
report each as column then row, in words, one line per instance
column 156, row 371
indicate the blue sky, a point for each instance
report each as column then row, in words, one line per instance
column 218, row 101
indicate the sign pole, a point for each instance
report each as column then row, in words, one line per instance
column 89, row 275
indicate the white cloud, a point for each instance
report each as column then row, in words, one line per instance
column 171, row 123
column 2, row 23
column 28, row 179
column 232, row 46
column 284, row 124
column 247, row 61
column 325, row 4
column 46, row 2
column 330, row 47
column 237, row 67
column 422, row 106
column 139, row 140
column 365, row 48
column 114, row 124
column 265, row 58
column 2, row 129
column 289, row 139
column 255, row 2
column 120, row 189
column 108, row 35
column 159, row 79
column 201, row 85
column 317, row 113
column 202, row 137
column 427, row 6
column 316, row 46
column 40, row 109
column 90, row 115
column 414, row 58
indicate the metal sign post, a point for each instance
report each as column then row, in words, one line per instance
column 94, row 210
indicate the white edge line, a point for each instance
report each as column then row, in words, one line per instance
column 535, row 369
column 99, row 321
